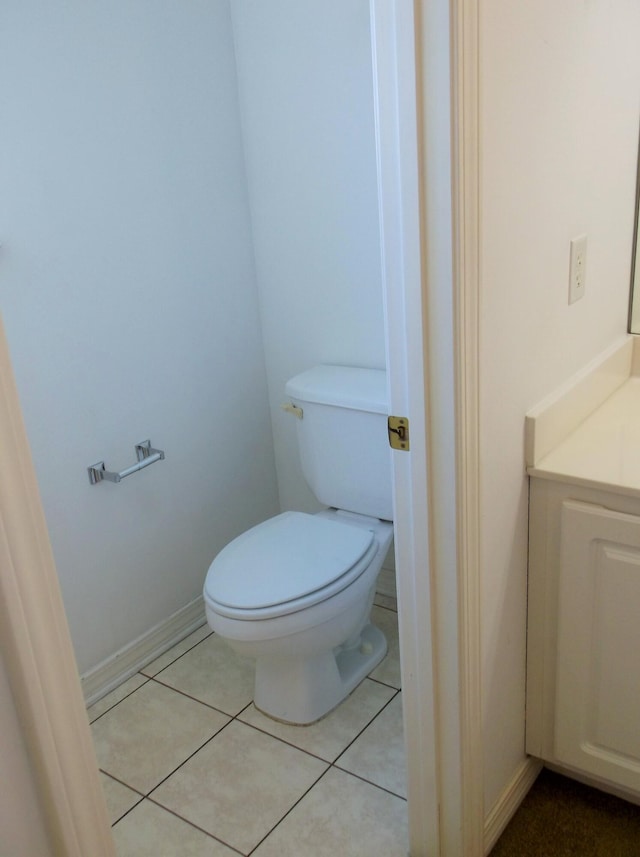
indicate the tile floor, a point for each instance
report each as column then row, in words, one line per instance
column 191, row 768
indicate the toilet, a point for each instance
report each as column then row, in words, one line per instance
column 295, row 592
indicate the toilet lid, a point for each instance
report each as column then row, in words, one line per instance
column 284, row 559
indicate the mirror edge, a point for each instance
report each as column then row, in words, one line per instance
column 634, row 283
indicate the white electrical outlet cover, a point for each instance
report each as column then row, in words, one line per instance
column 577, row 268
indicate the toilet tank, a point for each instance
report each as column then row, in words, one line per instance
column 342, row 437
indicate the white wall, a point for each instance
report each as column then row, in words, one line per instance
column 128, row 291
column 127, row 281
column 306, row 96
column 560, row 101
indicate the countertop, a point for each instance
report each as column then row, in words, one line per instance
column 604, row 450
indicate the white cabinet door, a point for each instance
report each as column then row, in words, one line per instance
column 598, row 651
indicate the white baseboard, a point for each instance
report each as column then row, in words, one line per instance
column 509, row 801
column 114, row 670
column 106, row 676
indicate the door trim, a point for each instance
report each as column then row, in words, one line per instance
column 514, row 793
column 426, row 73
column 393, row 37
column 37, row 648
column 467, row 190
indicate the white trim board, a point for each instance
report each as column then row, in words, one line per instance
column 466, row 251
column 507, row 804
column 426, row 66
column 107, row 675
column 393, row 44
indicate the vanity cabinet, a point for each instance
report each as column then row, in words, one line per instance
column 583, row 670
column 583, row 614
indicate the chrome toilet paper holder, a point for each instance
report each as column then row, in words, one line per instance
column 145, row 454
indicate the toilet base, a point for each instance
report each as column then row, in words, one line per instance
column 302, row 690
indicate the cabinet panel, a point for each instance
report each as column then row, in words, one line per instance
column 597, row 728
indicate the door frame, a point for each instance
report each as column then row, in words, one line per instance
column 427, row 98
column 393, row 28
column 425, row 69
column 38, row 653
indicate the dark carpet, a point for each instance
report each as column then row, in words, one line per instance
column 563, row 818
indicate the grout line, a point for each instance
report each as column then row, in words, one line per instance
column 364, row 729
column 235, row 717
column 359, row 776
column 192, row 824
column 385, row 607
column 190, row 649
column 190, row 756
column 148, row 796
column 385, row 683
column 195, row 698
column 111, row 707
column 140, row 794
column 242, row 710
column 334, row 763
column 369, row 782
column 131, row 808
column 309, row 752
column 122, row 782
column 284, row 741
column 265, row 731
column 149, row 678
column 290, row 810
column 313, row 785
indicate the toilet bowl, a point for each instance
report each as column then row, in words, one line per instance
column 295, row 593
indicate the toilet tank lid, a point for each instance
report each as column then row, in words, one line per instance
column 283, row 559
column 342, row 386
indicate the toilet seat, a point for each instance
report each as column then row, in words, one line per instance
column 285, row 564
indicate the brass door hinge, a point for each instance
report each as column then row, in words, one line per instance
column 398, row 428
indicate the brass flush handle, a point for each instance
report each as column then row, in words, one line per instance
column 290, row 408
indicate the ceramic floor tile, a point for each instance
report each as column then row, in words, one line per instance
column 119, row 798
column 387, row 601
column 150, row 831
column 378, row 755
column 240, row 785
column 145, row 737
column 213, row 673
column 389, row 670
column 328, row 737
column 176, row 651
column 115, row 696
column 344, row 816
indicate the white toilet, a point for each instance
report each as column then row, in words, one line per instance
column 295, row 592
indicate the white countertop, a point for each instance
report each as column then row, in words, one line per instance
column 604, row 450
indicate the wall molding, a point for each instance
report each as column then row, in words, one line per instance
column 505, row 807
column 467, row 194
column 117, row 668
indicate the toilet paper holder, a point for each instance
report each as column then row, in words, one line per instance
column 145, row 454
